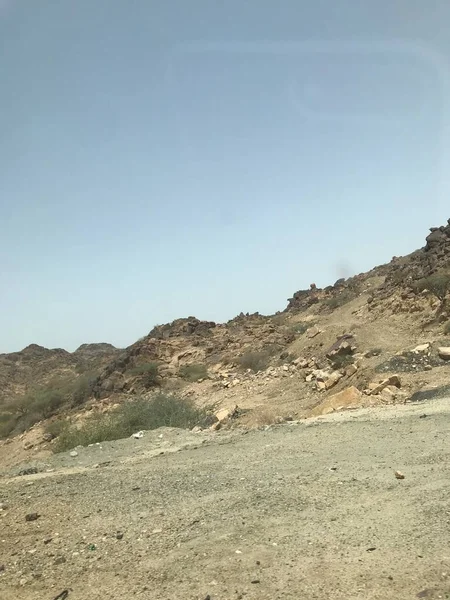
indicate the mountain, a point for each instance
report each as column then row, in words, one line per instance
column 390, row 323
column 35, row 366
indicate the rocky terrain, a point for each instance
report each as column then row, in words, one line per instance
column 376, row 338
column 322, row 473
column 35, row 365
column 349, row 505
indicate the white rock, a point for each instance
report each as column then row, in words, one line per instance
column 421, row 348
column 444, row 353
column 74, row 453
column 226, row 413
column 138, row 435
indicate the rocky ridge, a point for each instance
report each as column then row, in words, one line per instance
column 353, row 335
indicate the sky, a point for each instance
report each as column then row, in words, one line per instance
column 166, row 159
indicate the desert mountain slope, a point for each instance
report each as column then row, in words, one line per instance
column 36, row 365
column 384, row 325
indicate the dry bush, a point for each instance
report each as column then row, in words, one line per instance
column 193, row 372
column 160, row 411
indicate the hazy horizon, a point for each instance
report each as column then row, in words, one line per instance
column 165, row 160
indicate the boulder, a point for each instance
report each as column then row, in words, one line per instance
column 313, row 331
column 389, row 393
column 351, row 370
column 342, row 347
column 376, row 388
column 349, row 398
column 444, row 352
column 421, row 348
column 333, row 379
column 301, row 363
column 226, row 413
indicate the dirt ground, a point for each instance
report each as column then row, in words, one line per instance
column 310, row 510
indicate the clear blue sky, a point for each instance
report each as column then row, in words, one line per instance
column 166, row 159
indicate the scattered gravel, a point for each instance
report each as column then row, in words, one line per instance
column 299, row 510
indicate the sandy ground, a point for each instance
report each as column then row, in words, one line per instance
column 305, row 510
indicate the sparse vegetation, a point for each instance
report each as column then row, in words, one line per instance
column 438, row 285
column 83, row 388
column 279, row 319
column 301, row 328
column 287, row 357
column 57, row 427
column 341, row 299
column 8, row 423
column 44, row 402
column 193, row 372
column 148, row 373
column 160, row 411
column 256, row 361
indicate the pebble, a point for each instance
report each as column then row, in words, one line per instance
column 32, row 516
column 399, row 475
column 119, row 535
column 60, row 560
column 74, row 453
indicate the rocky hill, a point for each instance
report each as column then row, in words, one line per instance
column 35, row 366
column 364, row 306
column 280, row 493
column 375, row 338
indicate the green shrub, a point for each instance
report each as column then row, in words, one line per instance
column 437, row 284
column 148, row 372
column 44, row 402
column 40, row 403
column 83, row 389
column 8, row 423
column 256, row 361
column 286, row 357
column 301, row 328
column 160, row 411
column 57, row 427
column 193, row 372
column 341, row 299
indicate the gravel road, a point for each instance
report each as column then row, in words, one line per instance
column 308, row 510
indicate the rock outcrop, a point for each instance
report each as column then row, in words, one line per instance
column 405, row 272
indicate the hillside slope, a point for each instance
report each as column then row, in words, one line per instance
column 36, row 365
column 345, row 338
